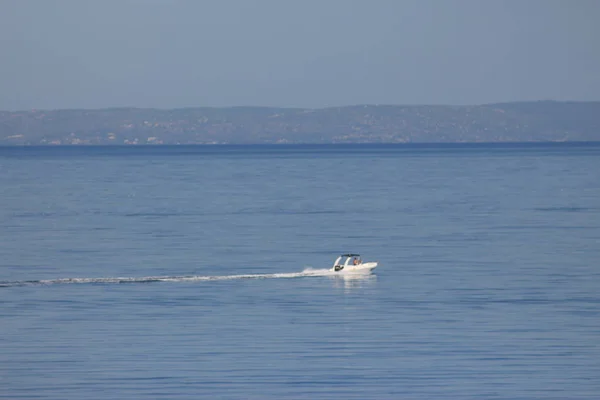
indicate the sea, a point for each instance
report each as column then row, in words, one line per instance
column 202, row 272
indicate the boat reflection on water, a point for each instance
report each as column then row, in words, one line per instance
column 353, row 281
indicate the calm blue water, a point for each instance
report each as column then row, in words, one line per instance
column 488, row 285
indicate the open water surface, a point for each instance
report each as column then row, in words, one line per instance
column 197, row 272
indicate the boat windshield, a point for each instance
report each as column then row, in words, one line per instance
column 350, row 259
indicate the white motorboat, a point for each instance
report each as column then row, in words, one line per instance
column 352, row 263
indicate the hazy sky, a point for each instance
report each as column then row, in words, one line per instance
column 305, row 53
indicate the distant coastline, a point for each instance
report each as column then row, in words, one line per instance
column 540, row 121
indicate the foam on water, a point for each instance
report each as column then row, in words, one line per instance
column 308, row 272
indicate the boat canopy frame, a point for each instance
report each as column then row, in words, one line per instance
column 337, row 264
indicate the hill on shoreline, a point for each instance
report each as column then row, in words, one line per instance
column 540, row 121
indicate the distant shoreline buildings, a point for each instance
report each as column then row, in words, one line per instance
column 543, row 121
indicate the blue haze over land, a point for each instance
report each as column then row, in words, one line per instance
column 170, row 54
column 487, row 286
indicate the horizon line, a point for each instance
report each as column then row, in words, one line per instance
column 300, row 108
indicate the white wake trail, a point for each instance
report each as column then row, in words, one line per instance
column 149, row 279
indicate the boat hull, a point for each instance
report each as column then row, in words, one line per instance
column 363, row 268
